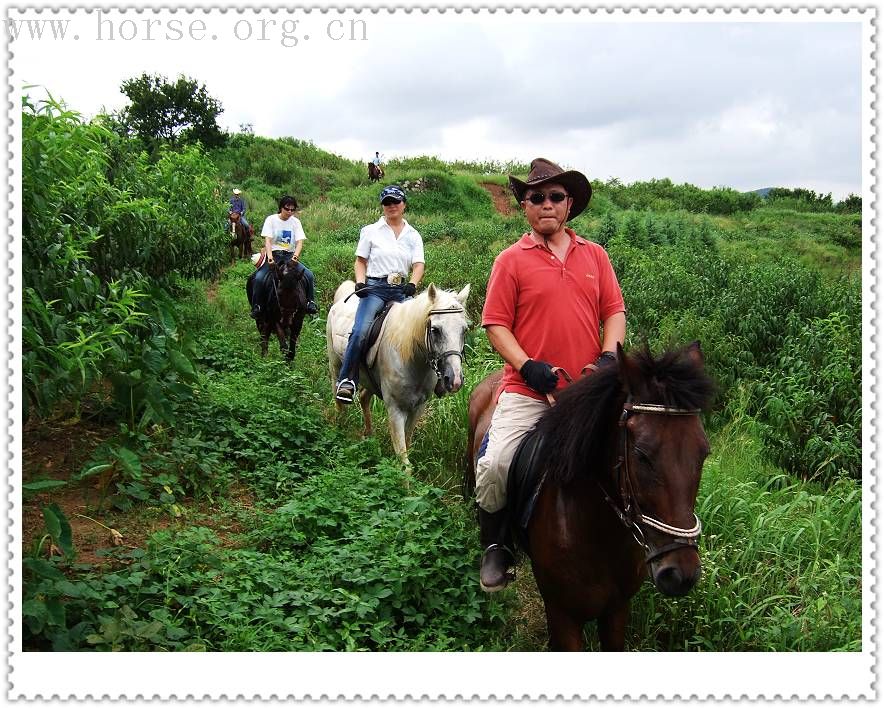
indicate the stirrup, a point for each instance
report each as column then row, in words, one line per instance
column 509, row 574
column 345, row 391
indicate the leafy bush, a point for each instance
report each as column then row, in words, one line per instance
column 103, row 228
column 809, row 403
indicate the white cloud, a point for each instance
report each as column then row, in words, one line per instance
column 745, row 104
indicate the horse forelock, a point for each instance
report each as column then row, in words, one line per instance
column 674, row 379
column 578, row 428
column 407, row 322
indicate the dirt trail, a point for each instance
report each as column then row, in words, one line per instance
column 502, row 198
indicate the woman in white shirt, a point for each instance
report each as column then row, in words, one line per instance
column 387, row 252
column 283, row 240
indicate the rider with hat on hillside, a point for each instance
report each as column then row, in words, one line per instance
column 238, row 205
column 549, row 295
column 388, row 250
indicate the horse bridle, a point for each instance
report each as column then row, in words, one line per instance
column 436, row 362
column 628, row 511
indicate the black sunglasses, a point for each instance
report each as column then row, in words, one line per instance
column 539, row 198
column 389, row 201
column 290, row 208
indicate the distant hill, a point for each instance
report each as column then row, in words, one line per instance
column 762, row 192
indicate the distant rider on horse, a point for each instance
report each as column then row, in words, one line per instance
column 283, row 241
column 238, row 205
column 547, row 296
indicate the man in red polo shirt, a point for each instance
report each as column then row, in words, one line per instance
column 549, row 295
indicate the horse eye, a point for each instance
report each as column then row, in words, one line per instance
column 434, row 330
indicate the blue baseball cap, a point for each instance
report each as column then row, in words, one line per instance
column 393, row 191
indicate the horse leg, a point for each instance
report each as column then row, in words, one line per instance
column 265, row 338
column 397, row 421
column 411, row 424
column 294, row 333
column 565, row 633
column 280, row 335
column 365, row 402
column 612, row 628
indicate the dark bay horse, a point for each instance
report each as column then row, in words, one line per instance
column 620, row 458
column 286, row 307
column 374, row 172
column 240, row 237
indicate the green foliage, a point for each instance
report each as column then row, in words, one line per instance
column 808, row 403
column 103, row 228
column 662, row 195
column 175, row 113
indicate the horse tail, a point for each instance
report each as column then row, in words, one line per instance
column 344, row 289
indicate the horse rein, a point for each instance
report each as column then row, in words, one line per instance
column 436, row 363
column 628, row 511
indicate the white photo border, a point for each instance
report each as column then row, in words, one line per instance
column 412, row 676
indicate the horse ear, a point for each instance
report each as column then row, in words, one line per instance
column 625, row 369
column 695, row 354
column 431, row 292
column 463, row 295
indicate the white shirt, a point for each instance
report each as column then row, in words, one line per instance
column 387, row 254
column 284, row 233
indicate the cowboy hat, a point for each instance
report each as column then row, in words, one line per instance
column 543, row 171
column 236, row 191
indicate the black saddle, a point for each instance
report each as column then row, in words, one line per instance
column 373, row 333
column 523, row 485
column 375, row 330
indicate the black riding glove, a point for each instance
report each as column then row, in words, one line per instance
column 359, row 290
column 606, row 358
column 409, row 289
column 539, row 376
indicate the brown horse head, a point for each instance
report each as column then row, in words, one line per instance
column 663, row 446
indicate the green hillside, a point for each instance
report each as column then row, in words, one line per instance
column 252, row 519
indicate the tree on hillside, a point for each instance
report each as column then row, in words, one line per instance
column 174, row 113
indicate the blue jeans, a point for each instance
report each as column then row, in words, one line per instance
column 381, row 293
column 260, row 291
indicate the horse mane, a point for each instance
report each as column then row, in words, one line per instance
column 578, row 428
column 407, row 321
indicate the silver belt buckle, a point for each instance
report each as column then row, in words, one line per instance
column 395, row 278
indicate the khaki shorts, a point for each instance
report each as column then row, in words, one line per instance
column 514, row 416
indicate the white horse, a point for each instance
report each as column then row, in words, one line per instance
column 419, row 351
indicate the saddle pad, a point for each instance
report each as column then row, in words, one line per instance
column 343, row 325
column 523, row 485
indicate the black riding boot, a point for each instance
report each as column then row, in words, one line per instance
column 496, row 560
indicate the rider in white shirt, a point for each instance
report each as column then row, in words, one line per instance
column 387, row 252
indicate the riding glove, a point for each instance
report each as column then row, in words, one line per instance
column 358, row 290
column 409, row 289
column 539, row 376
column 606, row 358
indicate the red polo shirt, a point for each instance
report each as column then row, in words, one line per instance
column 553, row 309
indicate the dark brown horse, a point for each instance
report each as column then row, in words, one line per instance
column 240, row 237
column 285, row 308
column 620, row 458
column 374, row 172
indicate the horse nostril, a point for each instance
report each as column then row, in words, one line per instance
column 671, row 581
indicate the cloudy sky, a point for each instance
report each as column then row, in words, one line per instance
column 745, row 104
